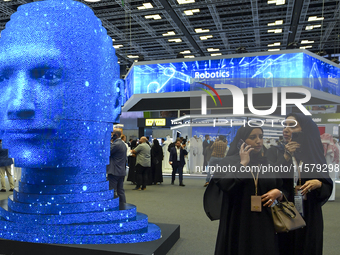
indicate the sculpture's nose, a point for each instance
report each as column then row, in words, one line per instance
column 21, row 106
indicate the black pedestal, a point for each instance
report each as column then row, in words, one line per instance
column 170, row 235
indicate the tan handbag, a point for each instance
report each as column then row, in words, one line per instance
column 286, row 218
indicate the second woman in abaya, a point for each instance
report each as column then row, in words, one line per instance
column 243, row 230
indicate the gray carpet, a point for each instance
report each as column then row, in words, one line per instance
column 183, row 205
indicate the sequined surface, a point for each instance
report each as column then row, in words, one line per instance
column 60, row 94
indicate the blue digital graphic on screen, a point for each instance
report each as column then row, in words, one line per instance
column 257, row 71
column 60, row 95
column 214, row 132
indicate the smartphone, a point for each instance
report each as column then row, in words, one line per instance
column 297, row 137
column 239, row 144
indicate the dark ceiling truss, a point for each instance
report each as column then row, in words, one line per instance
column 231, row 23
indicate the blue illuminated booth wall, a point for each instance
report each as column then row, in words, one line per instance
column 274, row 70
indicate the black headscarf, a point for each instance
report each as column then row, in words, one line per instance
column 243, row 133
column 311, row 147
column 133, row 144
column 156, row 147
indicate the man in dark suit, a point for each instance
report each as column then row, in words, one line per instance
column 116, row 171
column 177, row 161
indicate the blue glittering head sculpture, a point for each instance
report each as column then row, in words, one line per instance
column 59, row 86
column 60, row 94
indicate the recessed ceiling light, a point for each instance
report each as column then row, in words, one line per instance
column 118, row 46
column 216, row 54
column 145, row 6
column 155, row 16
column 276, row 31
column 132, row 56
column 306, row 42
column 189, row 56
column 185, row 1
column 185, row 52
column 175, row 40
column 273, row 49
column 200, row 30
column 315, row 18
column 205, row 37
column 191, row 12
column 169, row 33
column 212, row 49
column 113, row 39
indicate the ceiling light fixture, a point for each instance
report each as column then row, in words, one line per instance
column 312, row 27
column 185, row 1
column 306, row 42
column 274, row 44
column 205, row 37
column 177, row 40
column 185, row 52
column 276, row 31
column 277, row 2
column 132, row 56
column 315, row 18
column 189, row 56
column 216, row 54
column 118, row 46
column 191, row 12
column 212, row 49
column 155, row 16
column 276, row 23
column 306, row 47
column 200, row 30
column 145, row 6
column 91, row 1
column 273, row 49
column 169, row 33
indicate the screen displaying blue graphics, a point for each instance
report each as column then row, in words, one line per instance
column 214, row 132
column 275, row 70
column 60, row 95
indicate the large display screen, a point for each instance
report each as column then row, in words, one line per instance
column 256, row 71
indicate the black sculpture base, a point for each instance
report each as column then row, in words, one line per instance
column 170, row 235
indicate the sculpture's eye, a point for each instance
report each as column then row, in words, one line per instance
column 47, row 75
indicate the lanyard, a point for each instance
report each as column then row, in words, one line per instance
column 256, row 180
column 297, row 175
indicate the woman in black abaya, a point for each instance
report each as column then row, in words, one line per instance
column 241, row 230
column 156, row 162
column 132, row 162
column 315, row 185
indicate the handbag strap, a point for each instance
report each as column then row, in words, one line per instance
column 283, row 207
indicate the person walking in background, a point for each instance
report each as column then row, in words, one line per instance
column 206, row 144
column 116, row 170
column 5, row 168
column 143, row 163
column 156, row 162
column 177, row 161
column 132, row 164
column 219, row 149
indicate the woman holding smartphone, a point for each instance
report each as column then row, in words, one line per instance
column 309, row 188
column 246, row 224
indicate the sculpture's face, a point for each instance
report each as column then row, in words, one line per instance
column 57, row 94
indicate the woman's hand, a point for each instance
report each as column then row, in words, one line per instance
column 270, row 197
column 244, row 154
column 291, row 147
column 310, row 185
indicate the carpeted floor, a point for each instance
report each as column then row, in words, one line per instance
column 183, row 205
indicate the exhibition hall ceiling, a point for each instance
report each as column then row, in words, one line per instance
column 163, row 29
